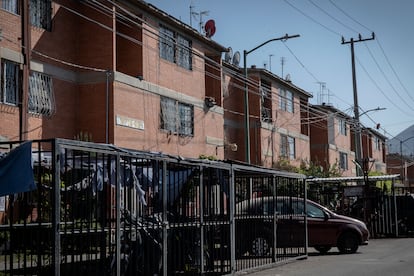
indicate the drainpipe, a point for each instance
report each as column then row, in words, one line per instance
column 26, row 51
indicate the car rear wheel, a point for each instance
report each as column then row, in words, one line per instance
column 348, row 243
column 260, row 246
column 323, row 249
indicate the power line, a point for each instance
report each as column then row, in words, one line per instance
column 332, row 17
column 312, row 19
column 350, row 17
column 388, row 81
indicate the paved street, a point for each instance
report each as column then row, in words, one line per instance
column 380, row 257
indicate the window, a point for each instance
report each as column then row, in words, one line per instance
column 184, row 53
column 167, row 44
column 377, row 143
column 41, row 100
column 41, row 13
column 10, row 76
column 177, row 117
column 286, row 100
column 10, row 5
column 287, row 147
column 343, row 160
column 314, row 212
column 180, row 52
column 342, row 126
column 266, row 101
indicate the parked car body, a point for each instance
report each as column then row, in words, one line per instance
column 256, row 220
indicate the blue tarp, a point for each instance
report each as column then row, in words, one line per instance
column 16, row 172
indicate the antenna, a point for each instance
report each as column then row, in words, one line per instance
column 192, row 13
column 282, row 62
column 201, row 18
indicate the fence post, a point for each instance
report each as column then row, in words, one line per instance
column 118, row 215
column 56, row 209
column 201, row 185
column 232, row 223
column 395, row 207
column 164, row 219
column 305, row 200
column 274, row 193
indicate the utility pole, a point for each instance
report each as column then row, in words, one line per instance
column 362, row 164
column 358, row 142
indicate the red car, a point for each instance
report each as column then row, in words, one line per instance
column 255, row 226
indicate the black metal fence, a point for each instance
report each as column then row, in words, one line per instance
column 374, row 200
column 103, row 210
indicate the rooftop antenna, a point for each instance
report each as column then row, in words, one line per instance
column 201, row 19
column 192, row 14
column 321, row 94
column 282, row 62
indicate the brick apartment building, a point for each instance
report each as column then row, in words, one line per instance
column 126, row 74
column 374, row 148
column 131, row 75
column 332, row 135
column 278, row 125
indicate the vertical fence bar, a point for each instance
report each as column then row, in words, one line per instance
column 118, row 216
column 201, row 200
column 232, row 223
column 56, row 212
column 304, row 185
column 164, row 219
column 395, row 208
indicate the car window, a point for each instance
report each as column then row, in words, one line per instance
column 297, row 207
column 314, row 212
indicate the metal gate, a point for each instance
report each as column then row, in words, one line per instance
column 101, row 210
column 372, row 200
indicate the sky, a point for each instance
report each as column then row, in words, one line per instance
column 318, row 61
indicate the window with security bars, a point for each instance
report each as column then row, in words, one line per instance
column 177, row 117
column 10, row 6
column 41, row 14
column 41, row 99
column 10, row 82
column 343, row 160
column 175, row 48
column 286, row 100
column 266, row 101
column 287, row 147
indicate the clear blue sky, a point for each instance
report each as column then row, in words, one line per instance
column 384, row 66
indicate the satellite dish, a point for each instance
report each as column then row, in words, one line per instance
column 236, row 58
column 228, row 55
column 287, row 78
column 210, row 28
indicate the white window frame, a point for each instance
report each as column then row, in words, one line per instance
column 286, row 100
column 177, row 117
column 10, row 82
column 287, row 147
